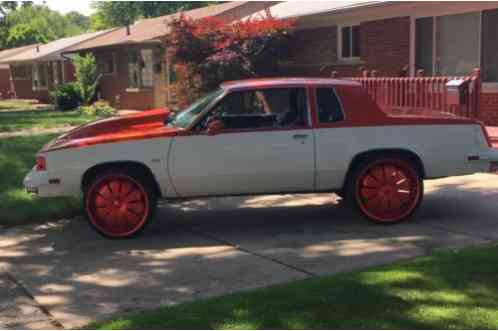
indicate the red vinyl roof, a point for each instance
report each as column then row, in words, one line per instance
column 275, row 82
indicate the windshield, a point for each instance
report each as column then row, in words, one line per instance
column 186, row 116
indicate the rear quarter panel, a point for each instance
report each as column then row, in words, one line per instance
column 443, row 149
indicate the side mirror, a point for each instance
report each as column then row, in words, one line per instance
column 214, row 127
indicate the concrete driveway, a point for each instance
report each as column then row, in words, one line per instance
column 210, row 247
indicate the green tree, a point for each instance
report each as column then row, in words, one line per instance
column 119, row 13
column 30, row 24
column 33, row 24
column 98, row 22
column 6, row 6
column 86, row 76
column 78, row 20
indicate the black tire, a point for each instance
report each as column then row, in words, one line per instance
column 146, row 199
column 356, row 191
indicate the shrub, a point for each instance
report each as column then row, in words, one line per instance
column 86, row 77
column 209, row 51
column 99, row 108
column 66, row 97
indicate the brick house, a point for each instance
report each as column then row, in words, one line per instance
column 37, row 69
column 132, row 61
column 6, row 89
column 396, row 39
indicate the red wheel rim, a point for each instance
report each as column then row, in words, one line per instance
column 388, row 190
column 117, row 205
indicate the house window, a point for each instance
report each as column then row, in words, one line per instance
column 349, row 42
column 140, row 69
column 448, row 45
column 40, row 76
column 20, row 72
column 424, row 31
column 489, row 46
column 107, row 64
column 147, row 68
column 133, row 70
column 457, row 44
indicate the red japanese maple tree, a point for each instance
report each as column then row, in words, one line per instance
column 209, row 51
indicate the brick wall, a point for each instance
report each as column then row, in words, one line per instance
column 24, row 89
column 114, row 86
column 4, row 81
column 385, row 44
column 69, row 72
column 315, row 46
column 315, row 54
column 488, row 112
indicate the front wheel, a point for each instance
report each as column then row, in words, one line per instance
column 386, row 190
column 119, row 203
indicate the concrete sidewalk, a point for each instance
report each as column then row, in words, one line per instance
column 205, row 248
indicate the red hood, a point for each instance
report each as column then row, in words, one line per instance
column 144, row 125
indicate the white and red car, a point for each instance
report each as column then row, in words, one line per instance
column 266, row 136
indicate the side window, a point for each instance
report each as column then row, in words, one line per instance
column 266, row 108
column 328, row 106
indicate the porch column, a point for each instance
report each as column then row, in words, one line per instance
column 412, row 47
column 168, row 77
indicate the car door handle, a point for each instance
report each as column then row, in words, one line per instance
column 300, row 136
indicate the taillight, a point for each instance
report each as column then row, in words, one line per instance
column 41, row 163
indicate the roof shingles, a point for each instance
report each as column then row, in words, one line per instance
column 50, row 51
column 152, row 28
column 295, row 9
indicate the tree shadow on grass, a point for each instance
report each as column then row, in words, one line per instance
column 443, row 291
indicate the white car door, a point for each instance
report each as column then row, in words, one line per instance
column 248, row 155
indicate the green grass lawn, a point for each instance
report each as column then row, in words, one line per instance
column 448, row 290
column 19, row 120
column 17, row 157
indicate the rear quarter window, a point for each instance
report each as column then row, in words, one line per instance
column 329, row 107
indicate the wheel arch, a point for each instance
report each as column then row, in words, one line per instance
column 140, row 167
column 375, row 153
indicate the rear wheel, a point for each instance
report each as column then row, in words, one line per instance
column 119, row 203
column 386, row 190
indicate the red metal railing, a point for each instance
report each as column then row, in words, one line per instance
column 406, row 94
